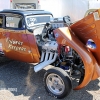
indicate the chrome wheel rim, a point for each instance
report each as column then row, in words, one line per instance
column 55, row 84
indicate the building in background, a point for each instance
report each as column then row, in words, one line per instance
column 19, row 4
column 24, row 4
column 74, row 8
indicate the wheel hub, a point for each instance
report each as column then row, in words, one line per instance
column 55, row 84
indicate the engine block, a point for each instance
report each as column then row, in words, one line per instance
column 50, row 46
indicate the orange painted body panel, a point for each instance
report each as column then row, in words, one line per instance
column 21, row 45
column 76, row 36
column 16, row 44
column 66, row 37
column 89, row 28
column 33, row 46
column 2, row 39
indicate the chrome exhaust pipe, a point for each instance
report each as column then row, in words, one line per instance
column 42, row 56
column 46, row 57
column 52, row 58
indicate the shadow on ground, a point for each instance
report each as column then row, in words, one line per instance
column 22, row 77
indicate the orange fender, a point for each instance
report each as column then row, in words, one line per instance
column 65, row 37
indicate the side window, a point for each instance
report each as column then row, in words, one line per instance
column 1, row 21
column 14, row 22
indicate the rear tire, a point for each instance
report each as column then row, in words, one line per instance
column 57, row 82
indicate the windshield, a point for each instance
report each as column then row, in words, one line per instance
column 37, row 19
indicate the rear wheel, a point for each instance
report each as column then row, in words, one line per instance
column 57, row 82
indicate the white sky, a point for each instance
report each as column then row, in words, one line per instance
column 4, row 4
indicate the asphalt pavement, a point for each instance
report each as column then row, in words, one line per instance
column 18, row 81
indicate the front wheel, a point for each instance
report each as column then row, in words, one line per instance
column 57, row 82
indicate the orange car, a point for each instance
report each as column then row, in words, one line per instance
column 31, row 37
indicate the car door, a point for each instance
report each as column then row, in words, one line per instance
column 16, row 42
column 2, row 46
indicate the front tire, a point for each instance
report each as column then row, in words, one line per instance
column 57, row 82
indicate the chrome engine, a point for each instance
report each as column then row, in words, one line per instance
column 47, row 45
column 48, row 56
column 52, row 52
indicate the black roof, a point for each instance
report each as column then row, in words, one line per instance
column 26, row 12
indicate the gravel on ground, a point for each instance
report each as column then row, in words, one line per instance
column 18, row 81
